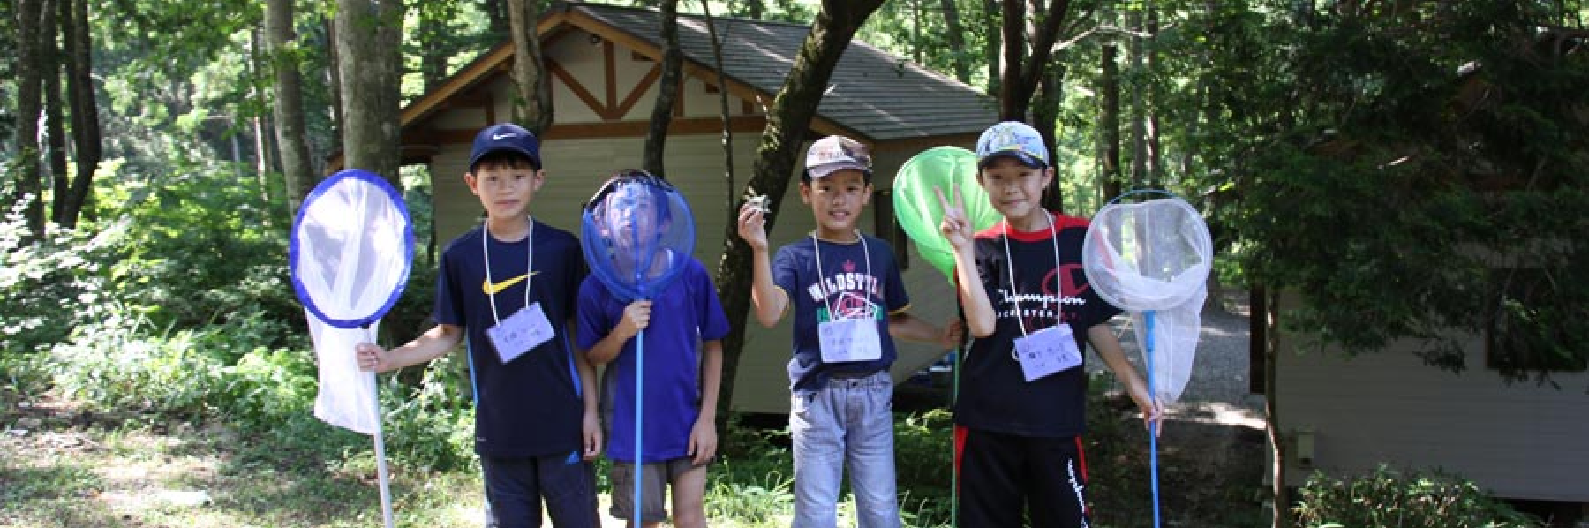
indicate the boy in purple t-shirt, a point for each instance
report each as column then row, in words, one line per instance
column 680, row 435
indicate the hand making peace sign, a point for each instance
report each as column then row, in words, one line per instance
column 956, row 229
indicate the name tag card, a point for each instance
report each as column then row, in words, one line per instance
column 849, row 340
column 525, row 330
column 1047, row 351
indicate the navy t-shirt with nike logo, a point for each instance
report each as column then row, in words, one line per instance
column 531, row 406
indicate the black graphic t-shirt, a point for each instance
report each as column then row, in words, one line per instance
column 994, row 394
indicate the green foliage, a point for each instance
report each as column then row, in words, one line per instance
column 202, row 247
column 431, row 425
column 1410, row 161
column 924, row 466
column 1390, row 499
column 36, row 278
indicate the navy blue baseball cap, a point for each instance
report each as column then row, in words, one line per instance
column 509, row 137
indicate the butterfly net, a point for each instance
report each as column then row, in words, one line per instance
column 1152, row 259
column 916, row 206
column 637, row 234
column 349, row 258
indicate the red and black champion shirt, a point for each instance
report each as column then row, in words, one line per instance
column 994, row 395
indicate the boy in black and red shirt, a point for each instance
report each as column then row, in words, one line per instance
column 1022, row 404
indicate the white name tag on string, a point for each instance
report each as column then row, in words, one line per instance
column 1047, row 351
column 849, row 340
column 520, row 333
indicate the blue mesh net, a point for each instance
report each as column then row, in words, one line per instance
column 638, row 233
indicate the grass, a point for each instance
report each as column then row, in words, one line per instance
column 79, row 469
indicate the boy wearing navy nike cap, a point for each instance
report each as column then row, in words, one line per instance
column 505, row 289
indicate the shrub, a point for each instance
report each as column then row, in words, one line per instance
column 1388, row 498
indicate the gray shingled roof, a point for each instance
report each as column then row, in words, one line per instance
column 880, row 95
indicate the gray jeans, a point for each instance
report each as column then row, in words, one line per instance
column 849, row 423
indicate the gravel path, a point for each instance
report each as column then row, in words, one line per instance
column 1220, row 371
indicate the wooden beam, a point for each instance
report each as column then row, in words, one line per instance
column 694, row 69
column 610, row 63
column 682, row 126
column 578, row 89
column 477, row 71
column 639, row 90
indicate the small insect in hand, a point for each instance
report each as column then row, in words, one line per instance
column 759, row 203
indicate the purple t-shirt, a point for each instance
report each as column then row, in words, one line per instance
column 847, row 284
column 682, row 317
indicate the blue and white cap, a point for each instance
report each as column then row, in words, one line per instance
column 509, row 137
column 1013, row 139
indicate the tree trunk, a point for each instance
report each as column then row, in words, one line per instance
column 261, row 159
column 1045, row 116
column 1012, row 103
column 1266, row 308
column 434, row 45
column 1155, row 148
column 1022, row 74
column 291, row 135
column 86, row 138
column 990, row 14
column 533, row 106
column 915, row 32
column 54, row 111
column 957, row 40
column 30, row 78
column 787, row 122
column 369, row 35
column 667, row 90
column 334, row 78
column 755, row 9
column 1109, row 122
column 1139, row 117
column 723, row 111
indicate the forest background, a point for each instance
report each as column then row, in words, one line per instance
column 1367, row 155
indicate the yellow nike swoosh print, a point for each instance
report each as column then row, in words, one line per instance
column 498, row 287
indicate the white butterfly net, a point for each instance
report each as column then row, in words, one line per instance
column 1153, row 259
column 350, row 252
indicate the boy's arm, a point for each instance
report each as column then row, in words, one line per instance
column 1104, row 342
column 769, row 299
column 429, row 345
column 980, row 319
column 903, row 325
column 703, row 437
column 591, row 423
column 635, row 318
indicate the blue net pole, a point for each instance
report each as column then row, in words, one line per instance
column 1153, row 428
column 639, row 429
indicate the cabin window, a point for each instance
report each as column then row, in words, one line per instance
column 1523, row 333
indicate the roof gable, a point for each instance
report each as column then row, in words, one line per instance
column 877, row 95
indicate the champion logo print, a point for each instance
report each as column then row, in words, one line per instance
column 499, row 137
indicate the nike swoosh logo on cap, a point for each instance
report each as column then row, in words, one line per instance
column 498, row 287
column 498, row 137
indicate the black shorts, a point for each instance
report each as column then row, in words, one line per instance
column 515, row 487
column 1003, row 476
